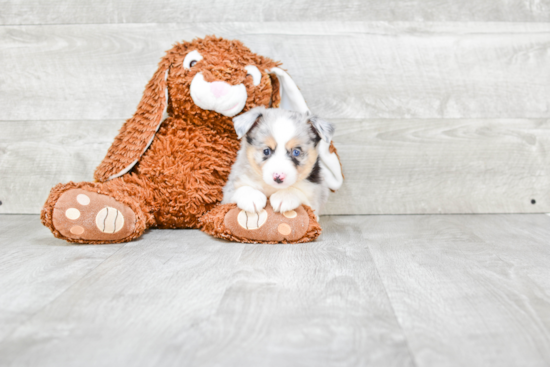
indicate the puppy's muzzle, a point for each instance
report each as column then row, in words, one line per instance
column 279, row 177
column 217, row 96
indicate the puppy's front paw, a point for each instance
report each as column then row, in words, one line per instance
column 252, row 202
column 284, row 200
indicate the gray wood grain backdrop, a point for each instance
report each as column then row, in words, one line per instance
column 165, row 11
column 440, row 107
column 345, row 70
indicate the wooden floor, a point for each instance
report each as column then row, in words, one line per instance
column 439, row 290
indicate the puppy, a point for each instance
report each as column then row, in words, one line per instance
column 279, row 160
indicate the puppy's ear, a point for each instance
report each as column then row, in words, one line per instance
column 244, row 122
column 324, row 128
column 289, row 95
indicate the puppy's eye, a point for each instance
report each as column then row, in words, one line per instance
column 255, row 73
column 191, row 59
column 267, row 152
column 296, row 152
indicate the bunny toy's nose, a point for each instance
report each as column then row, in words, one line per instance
column 219, row 89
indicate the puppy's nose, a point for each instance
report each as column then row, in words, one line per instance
column 219, row 89
column 279, row 177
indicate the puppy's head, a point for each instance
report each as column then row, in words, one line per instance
column 281, row 146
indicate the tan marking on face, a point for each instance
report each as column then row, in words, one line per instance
column 292, row 143
column 250, row 153
column 305, row 169
column 270, row 142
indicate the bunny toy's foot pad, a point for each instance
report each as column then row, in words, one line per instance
column 231, row 223
column 85, row 215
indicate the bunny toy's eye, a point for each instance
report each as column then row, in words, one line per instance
column 191, row 59
column 255, row 74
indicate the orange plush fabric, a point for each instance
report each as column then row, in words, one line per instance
column 171, row 172
column 224, row 61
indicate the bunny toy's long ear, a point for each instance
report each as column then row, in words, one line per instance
column 137, row 133
column 290, row 96
column 291, row 99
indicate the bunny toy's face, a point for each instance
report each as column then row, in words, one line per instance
column 218, row 75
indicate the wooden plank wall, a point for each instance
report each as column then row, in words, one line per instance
column 174, row 11
column 440, row 107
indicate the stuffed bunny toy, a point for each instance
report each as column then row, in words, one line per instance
column 167, row 166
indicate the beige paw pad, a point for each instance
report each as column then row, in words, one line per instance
column 252, row 220
column 290, row 214
column 109, row 220
column 284, row 229
column 83, row 199
column 72, row 213
column 77, row 230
